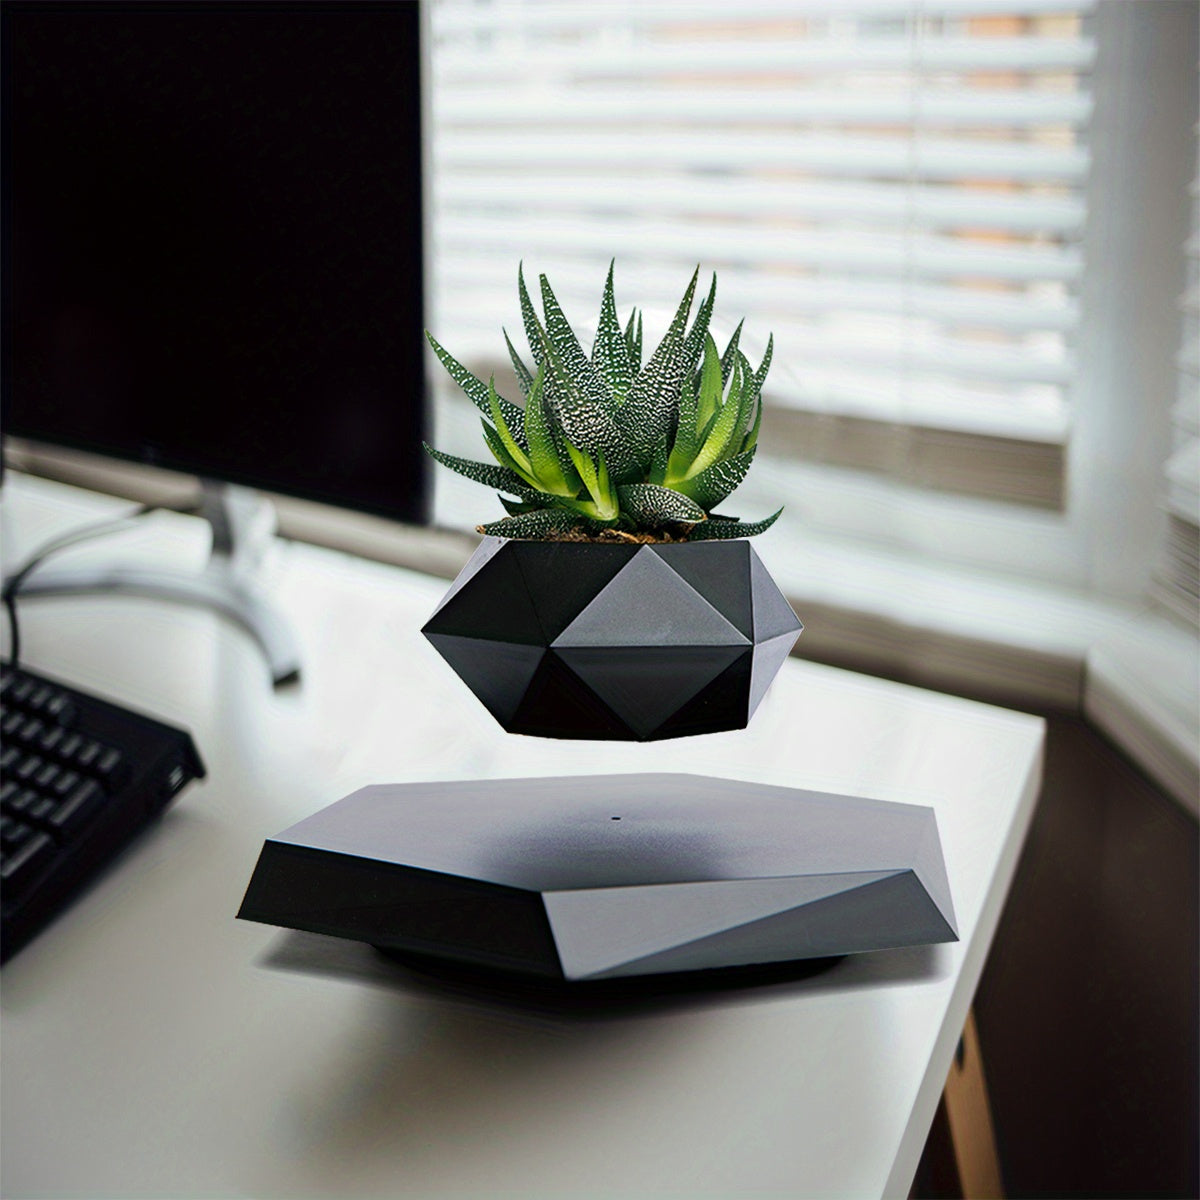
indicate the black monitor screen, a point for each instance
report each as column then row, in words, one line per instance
column 213, row 241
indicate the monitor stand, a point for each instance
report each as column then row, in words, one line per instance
column 242, row 523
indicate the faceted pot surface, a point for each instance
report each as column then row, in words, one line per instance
column 623, row 642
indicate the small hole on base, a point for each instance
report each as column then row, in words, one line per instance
column 616, row 818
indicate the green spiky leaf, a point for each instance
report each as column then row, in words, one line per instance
column 650, row 506
column 515, row 451
column 499, row 450
column 524, row 375
column 712, row 384
column 653, row 396
column 534, row 333
column 586, row 425
column 760, row 376
column 714, row 483
column 723, row 430
column 727, row 359
column 610, row 351
column 539, row 523
column 570, row 353
column 693, row 344
column 750, row 441
column 474, row 387
column 551, row 465
column 633, row 339
column 659, row 460
column 490, row 474
column 516, row 508
column 714, row 529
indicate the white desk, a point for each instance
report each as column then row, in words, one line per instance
column 152, row 1045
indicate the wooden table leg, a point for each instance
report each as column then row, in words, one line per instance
column 970, row 1119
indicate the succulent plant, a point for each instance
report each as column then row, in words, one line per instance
column 609, row 443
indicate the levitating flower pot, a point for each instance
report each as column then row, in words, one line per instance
column 615, row 641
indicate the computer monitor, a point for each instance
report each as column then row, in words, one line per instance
column 213, row 259
column 213, row 241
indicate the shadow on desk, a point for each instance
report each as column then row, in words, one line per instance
column 412, row 974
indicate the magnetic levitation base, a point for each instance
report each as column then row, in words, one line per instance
column 596, row 877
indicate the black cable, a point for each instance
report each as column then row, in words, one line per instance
column 63, row 542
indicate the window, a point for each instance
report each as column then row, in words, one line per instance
column 904, row 193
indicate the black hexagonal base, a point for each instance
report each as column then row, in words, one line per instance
column 579, row 640
column 609, row 876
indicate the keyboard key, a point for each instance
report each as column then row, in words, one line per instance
column 23, row 864
column 42, row 809
column 9, row 757
column 11, row 723
column 28, row 767
column 47, row 776
column 87, row 754
column 8, row 789
column 20, row 691
column 28, row 732
column 110, row 764
column 65, row 782
column 51, row 739
column 17, row 834
column 61, row 710
column 70, row 745
column 23, row 801
column 41, row 696
column 78, row 808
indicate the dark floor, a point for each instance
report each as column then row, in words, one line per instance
column 1089, row 1010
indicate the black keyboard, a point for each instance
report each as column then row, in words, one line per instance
column 79, row 777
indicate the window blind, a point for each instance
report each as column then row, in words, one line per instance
column 895, row 189
column 1178, row 578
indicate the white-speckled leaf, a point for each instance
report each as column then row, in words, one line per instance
column 537, row 524
column 730, row 354
column 660, row 458
column 496, row 445
column 651, row 507
column 490, row 474
column 534, row 333
column 588, row 426
column 570, row 353
column 714, row 483
column 719, row 439
column 760, row 376
column 524, row 375
column 720, row 529
column 475, row 389
column 551, row 464
column 633, row 339
column 610, row 351
column 654, row 396
column 693, row 344
column 515, row 508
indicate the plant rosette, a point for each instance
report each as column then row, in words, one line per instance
column 612, row 602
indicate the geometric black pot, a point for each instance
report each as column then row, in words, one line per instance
column 629, row 642
column 601, row 877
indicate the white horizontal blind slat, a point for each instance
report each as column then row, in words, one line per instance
column 891, row 204
column 1178, row 576
column 855, row 155
column 592, row 59
column 471, row 20
column 893, row 188
column 598, row 105
column 775, row 301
